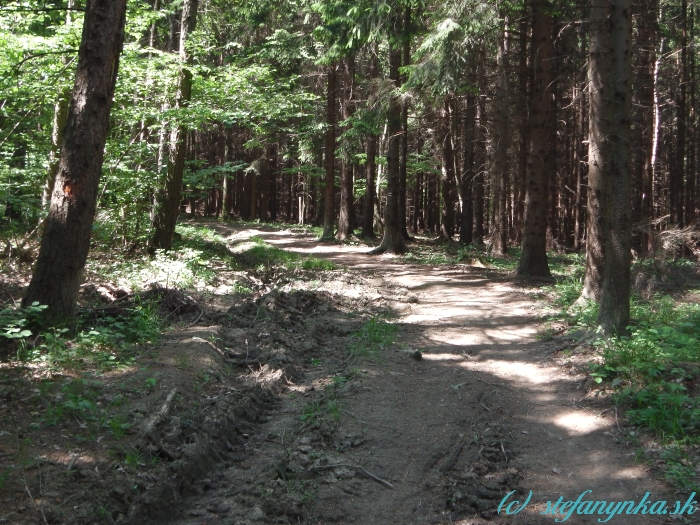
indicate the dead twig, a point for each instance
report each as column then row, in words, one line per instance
column 256, row 316
column 353, row 415
column 38, row 507
column 503, row 449
column 201, row 313
column 482, row 381
column 359, row 468
column 617, row 422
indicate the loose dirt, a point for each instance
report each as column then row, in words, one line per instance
column 275, row 421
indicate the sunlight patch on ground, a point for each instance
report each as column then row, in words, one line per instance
column 443, row 357
column 578, row 422
column 629, row 473
column 511, row 370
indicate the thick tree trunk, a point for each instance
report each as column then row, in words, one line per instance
column 393, row 241
column 533, row 259
column 614, row 312
column 598, row 147
column 168, row 200
column 66, row 240
column 499, row 173
column 329, row 201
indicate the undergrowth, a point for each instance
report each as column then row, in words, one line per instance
column 90, row 345
column 436, row 254
column 262, row 255
column 654, row 372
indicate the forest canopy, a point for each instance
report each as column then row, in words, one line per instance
column 475, row 120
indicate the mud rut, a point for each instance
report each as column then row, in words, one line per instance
column 488, row 409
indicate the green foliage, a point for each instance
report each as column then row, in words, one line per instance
column 14, row 321
column 653, row 371
column 104, row 344
column 374, row 337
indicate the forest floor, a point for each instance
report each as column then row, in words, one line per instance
column 376, row 392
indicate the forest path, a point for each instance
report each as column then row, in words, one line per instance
column 487, row 410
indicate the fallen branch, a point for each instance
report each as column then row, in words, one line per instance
column 361, row 469
column 158, row 416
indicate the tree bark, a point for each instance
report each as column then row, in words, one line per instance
column 403, row 156
column 524, row 75
column 676, row 182
column 329, row 201
column 533, row 259
column 346, row 223
column 614, row 312
column 645, row 90
column 479, row 155
column 690, row 191
column 598, row 147
column 66, row 240
column 392, row 240
column 467, row 216
column 447, row 224
column 60, row 115
column 371, row 166
column 168, row 200
column 499, row 173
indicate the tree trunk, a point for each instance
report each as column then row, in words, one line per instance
column 598, row 148
column 467, row 217
column 580, row 169
column 447, row 224
column 533, row 259
column 168, row 200
column 346, row 224
column 524, row 76
column 371, row 166
column 60, row 115
column 479, row 154
column 691, row 190
column 393, row 241
column 499, row 173
column 614, row 312
column 479, row 164
column 66, row 240
column 403, row 156
column 676, row 183
column 329, row 201
column 645, row 89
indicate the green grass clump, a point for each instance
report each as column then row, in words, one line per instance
column 374, row 337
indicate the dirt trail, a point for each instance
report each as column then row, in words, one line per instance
column 488, row 409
